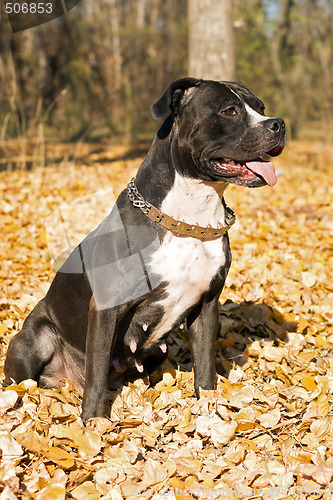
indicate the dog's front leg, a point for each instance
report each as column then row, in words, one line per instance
column 99, row 344
column 202, row 330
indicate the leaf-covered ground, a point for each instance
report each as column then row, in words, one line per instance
column 266, row 432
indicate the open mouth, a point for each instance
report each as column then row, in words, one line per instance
column 253, row 173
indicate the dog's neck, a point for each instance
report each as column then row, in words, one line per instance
column 195, row 201
column 176, row 193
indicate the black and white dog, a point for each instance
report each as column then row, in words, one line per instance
column 162, row 255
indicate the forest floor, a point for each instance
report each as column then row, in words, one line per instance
column 266, row 432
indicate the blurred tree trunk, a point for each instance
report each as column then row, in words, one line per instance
column 280, row 48
column 114, row 19
column 140, row 13
column 211, row 44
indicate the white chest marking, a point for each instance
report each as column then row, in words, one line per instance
column 186, row 263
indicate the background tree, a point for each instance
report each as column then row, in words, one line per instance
column 94, row 72
column 211, row 44
column 284, row 53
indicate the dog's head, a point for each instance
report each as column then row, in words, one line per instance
column 222, row 131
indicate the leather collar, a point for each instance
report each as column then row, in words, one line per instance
column 179, row 228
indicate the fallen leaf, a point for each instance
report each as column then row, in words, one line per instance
column 153, row 473
column 7, row 400
column 86, row 491
column 270, row 419
column 309, row 383
column 54, row 491
column 60, row 457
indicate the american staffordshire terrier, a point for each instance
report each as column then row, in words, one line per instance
column 160, row 258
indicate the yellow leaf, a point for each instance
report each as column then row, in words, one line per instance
column 245, row 426
column 60, row 457
column 281, row 375
column 186, row 419
column 323, row 406
column 55, row 491
column 289, row 318
column 307, row 356
column 29, row 386
column 86, row 441
column 251, row 445
column 321, row 342
column 3, row 328
column 301, row 325
column 32, row 442
column 86, row 491
column 169, row 377
column 180, row 489
column 309, row 383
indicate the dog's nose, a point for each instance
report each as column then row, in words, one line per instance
column 275, row 125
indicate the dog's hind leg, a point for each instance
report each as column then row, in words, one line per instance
column 30, row 350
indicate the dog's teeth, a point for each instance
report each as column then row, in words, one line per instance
column 163, row 347
column 139, row 366
column 133, row 346
column 145, row 327
column 181, row 326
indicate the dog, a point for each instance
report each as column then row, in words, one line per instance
column 160, row 258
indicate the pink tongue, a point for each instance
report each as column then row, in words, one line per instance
column 265, row 169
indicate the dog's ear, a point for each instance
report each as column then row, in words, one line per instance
column 172, row 97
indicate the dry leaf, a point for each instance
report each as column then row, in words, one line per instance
column 272, row 347
column 309, row 279
column 7, row 400
column 242, row 397
column 220, row 432
column 153, row 473
column 11, row 452
column 86, row 491
column 54, row 491
column 270, row 419
column 60, row 457
column 309, row 383
column 7, row 494
column 271, row 353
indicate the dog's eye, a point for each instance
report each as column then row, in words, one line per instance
column 229, row 112
column 262, row 111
